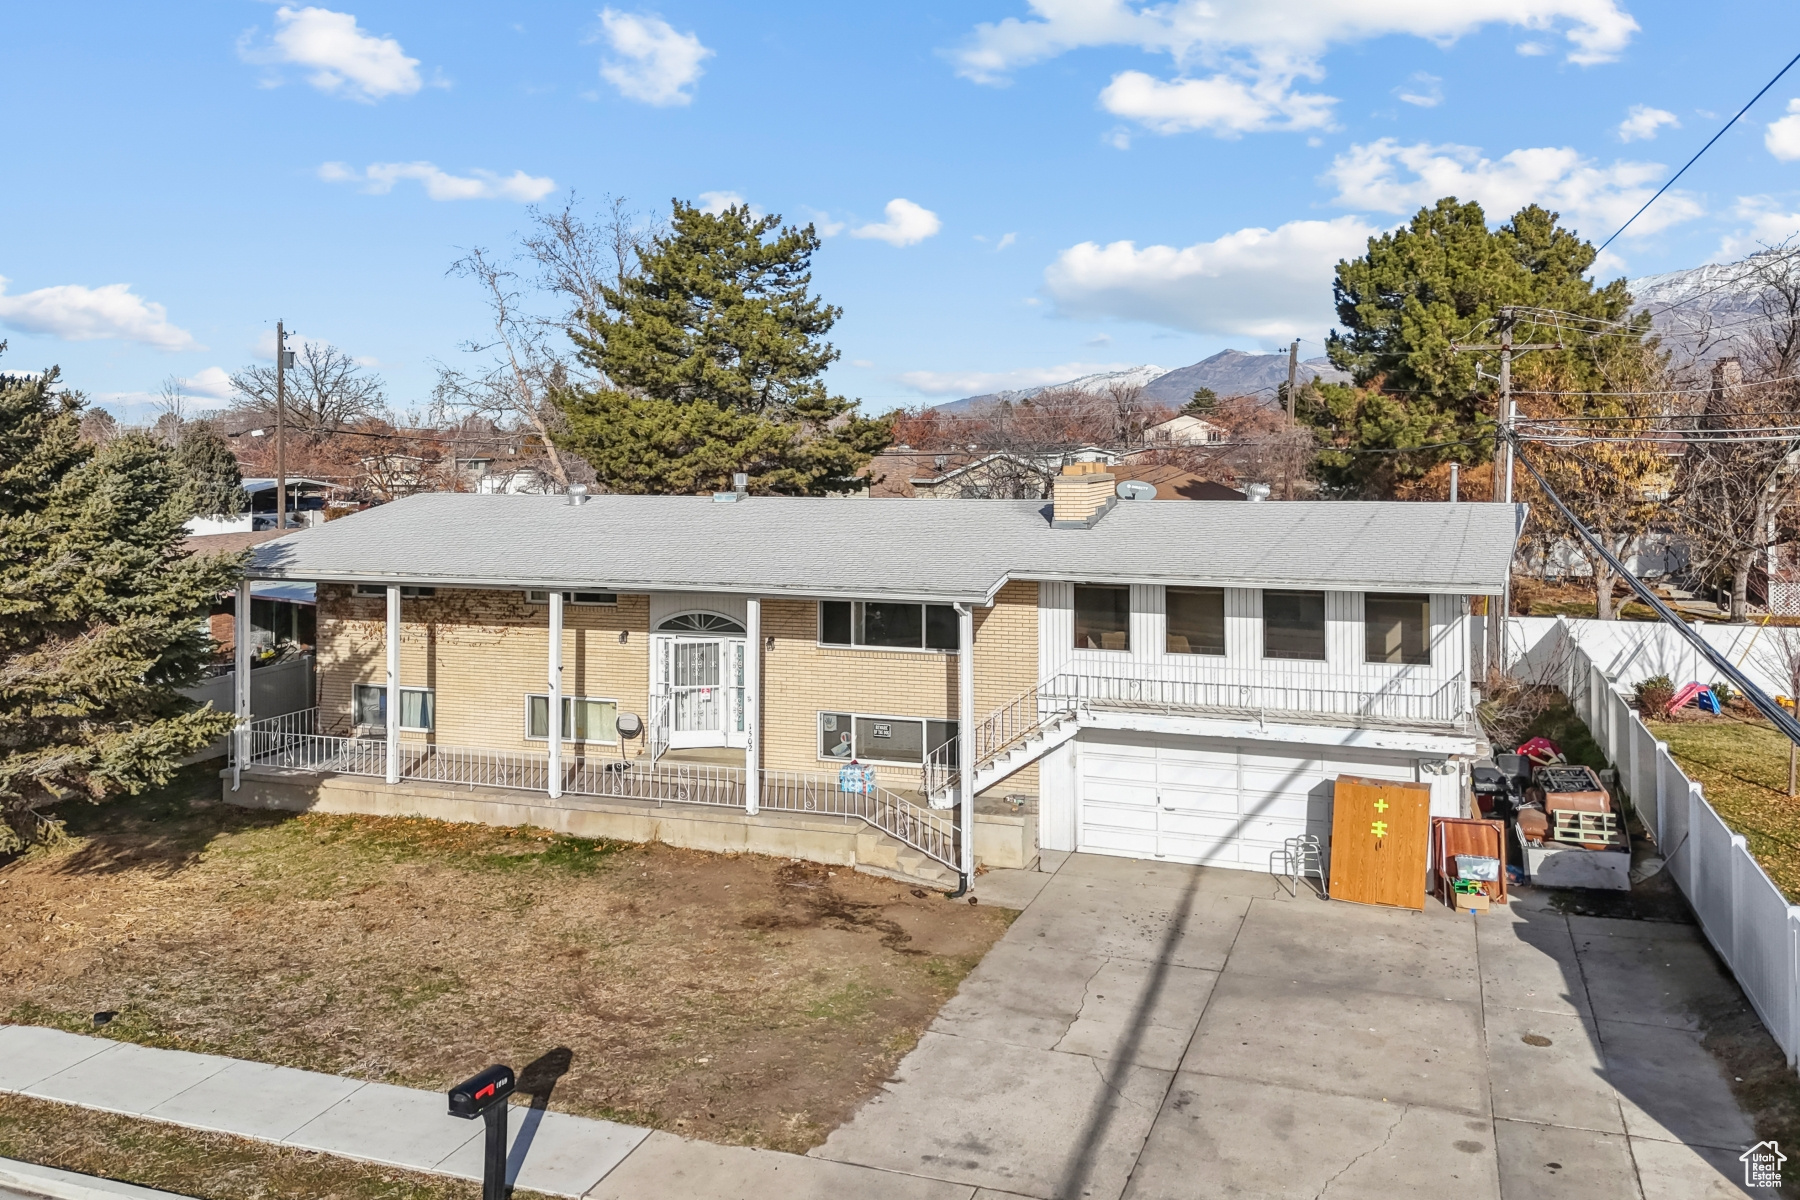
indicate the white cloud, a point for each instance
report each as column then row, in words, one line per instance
column 1255, row 50
column 980, row 383
column 1766, row 223
column 1422, row 90
column 1385, row 176
column 862, row 362
column 907, row 224
column 1268, row 284
column 1532, row 49
column 1783, row 137
column 379, row 179
column 714, row 203
column 1642, row 122
column 211, row 387
column 655, row 64
column 344, row 59
column 1005, row 241
column 82, row 314
column 1222, row 104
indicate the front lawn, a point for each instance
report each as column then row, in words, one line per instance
column 730, row 997
column 1741, row 762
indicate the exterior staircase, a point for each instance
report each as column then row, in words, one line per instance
column 1007, row 740
column 879, row 854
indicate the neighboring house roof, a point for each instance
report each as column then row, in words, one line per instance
column 1177, row 483
column 294, row 482
column 227, row 543
column 954, row 550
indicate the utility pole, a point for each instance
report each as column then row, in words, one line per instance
column 280, row 426
column 1293, row 373
column 1508, row 408
column 1505, row 319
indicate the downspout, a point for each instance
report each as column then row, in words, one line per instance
column 240, row 684
column 553, row 705
column 752, row 705
column 965, row 744
column 393, row 683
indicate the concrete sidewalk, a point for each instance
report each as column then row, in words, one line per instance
column 376, row 1122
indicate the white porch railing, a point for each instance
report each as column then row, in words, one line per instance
column 293, row 742
column 1401, row 701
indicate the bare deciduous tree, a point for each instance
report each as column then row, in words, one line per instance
column 529, row 359
column 326, row 390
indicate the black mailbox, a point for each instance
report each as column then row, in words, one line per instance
column 478, row 1093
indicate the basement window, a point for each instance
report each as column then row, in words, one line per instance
column 1397, row 628
column 418, row 708
column 1294, row 625
column 584, row 719
column 1102, row 618
column 900, row 740
column 1196, row 620
column 887, row 625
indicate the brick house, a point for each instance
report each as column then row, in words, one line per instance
column 1168, row 680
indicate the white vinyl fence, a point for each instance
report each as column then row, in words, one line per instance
column 1741, row 911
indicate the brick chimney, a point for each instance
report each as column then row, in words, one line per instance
column 1722, row 400
column 1080, row 496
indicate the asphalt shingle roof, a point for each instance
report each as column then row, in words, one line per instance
column 942, row 550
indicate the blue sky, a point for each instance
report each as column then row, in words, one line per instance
column 1013, row 192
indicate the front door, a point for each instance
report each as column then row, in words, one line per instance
column 700, row 681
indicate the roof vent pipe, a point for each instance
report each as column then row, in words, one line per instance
column 740, row 483
column 577, row 493
column 1257, row 491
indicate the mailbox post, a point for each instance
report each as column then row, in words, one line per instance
column 484, row 1095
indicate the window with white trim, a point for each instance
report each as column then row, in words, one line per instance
column 888, row 625
column 584, row 719
column 574, row 597
column 418, row 707
column 868, row 738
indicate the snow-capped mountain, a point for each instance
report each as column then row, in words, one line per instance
column 1229, row 373
column 1707, row 311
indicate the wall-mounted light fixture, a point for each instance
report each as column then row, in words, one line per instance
column 769, row 642
column 624, row 636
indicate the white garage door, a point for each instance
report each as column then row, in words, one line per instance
column 1223, row 803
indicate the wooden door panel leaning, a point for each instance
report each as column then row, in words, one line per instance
column 1380, row 841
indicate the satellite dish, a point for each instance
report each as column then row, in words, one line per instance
column 630, row 725
column 1136, row 489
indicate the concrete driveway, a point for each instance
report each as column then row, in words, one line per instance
column 1148, row 1031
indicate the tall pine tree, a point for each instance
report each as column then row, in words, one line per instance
column 715, row 354
column 101, row 614
column 214, row 481
column 1440, row 279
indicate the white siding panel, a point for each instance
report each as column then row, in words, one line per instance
column 1056, row 798
column 1056, row 626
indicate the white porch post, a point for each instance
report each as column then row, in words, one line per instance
column 553, row 711
column 965, row 734
column 393, row 683
column 240, row 683
column 752, row 705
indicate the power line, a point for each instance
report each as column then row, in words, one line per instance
column 1690, row 162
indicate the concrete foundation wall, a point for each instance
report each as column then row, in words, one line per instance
column 1002, row 839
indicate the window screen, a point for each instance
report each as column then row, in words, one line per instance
column 583, row 719
column 885, row 624
column 941, row 629
column 1102, row 618
column 889, row 739
column 368, row 706
column 1397, row 628
column 1294, row 625
column 1196, row 620
column 836, row 736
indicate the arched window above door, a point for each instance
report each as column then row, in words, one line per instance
column 701, row 623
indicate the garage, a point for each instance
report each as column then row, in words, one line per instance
column 1204, row 800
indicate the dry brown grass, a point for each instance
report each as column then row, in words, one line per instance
column 736, row 998
column 211, row 1166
